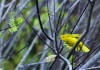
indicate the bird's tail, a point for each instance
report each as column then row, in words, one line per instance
column 85, row 49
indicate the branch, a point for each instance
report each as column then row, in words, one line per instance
column 2, row 8
column 36, row 32
column 66, row 61
column 91, row 61
column 38, row 14
column 93, row 68
column 80, row 17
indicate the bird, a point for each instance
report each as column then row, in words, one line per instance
column 71, row 39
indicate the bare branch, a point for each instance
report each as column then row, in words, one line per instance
column 92, row 61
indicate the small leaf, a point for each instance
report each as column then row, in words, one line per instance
column 65, row 44
column 50, row 58
column 13, row 29
column 19, row 20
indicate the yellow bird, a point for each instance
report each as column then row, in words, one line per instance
column 71, row 39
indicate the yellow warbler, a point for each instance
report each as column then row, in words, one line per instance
column 71, row 39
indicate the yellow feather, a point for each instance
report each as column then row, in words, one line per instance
column 71, row 39
column 73, row 35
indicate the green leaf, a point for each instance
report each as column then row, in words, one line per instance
column 13, row 29
column 12, row 20
column 19, row 20
column 14, row 25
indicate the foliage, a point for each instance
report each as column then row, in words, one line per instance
column 14, row 23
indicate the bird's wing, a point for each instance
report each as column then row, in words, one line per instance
column 74, row 35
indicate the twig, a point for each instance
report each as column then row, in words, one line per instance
column 93, row 60
column 8, row 9
column 2, row 8
column 80, row 17
column 49, row 19
column 36, row 32
column 38, row 14
column 93, row 68
column 66, row 61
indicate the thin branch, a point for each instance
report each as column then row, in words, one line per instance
column 93, row 60
column 56, row 31
column 49, row 19
column 2, row 8
column 94, row 68
column 14, row 53
column 36, row 32
column 80, row 17
column 66, row 61
column 8, row 9
column 69, row 14
column 38, row 14
column 34, row 57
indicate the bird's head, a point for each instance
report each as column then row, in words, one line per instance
column 63, row 37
